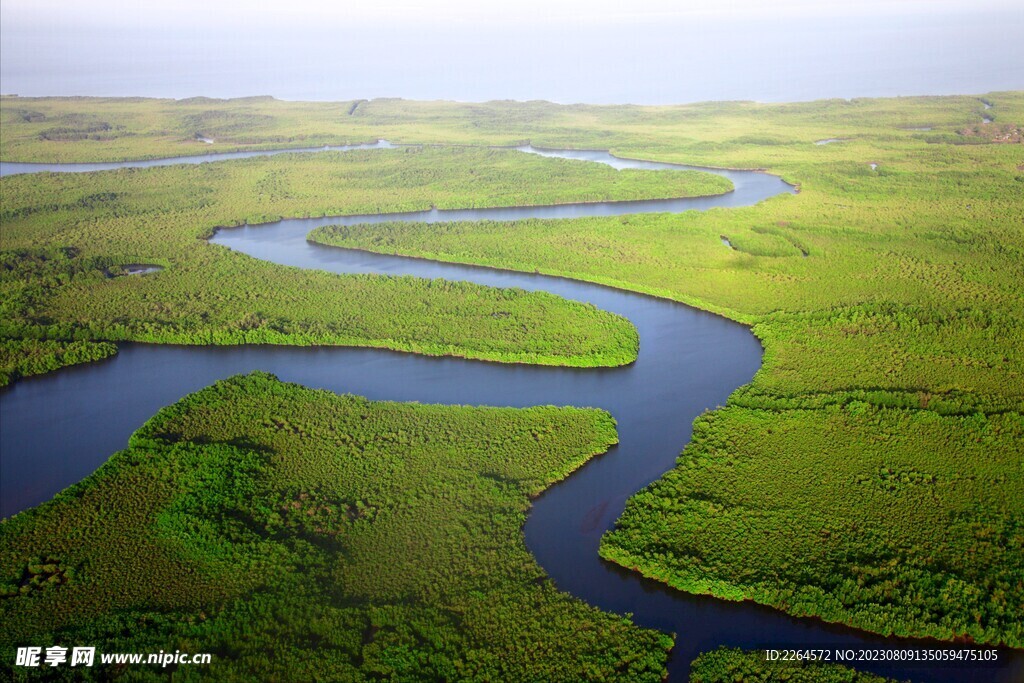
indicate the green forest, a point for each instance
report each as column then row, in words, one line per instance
column 891, row 310
column 67, row 236
column 892, row 520
column 300, row 535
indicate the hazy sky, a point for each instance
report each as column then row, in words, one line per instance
column 100, row 12
column 642, row 51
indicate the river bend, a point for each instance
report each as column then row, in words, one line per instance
column 689, row 361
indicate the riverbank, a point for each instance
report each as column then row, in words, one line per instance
column 263, row 541
column 207, row 296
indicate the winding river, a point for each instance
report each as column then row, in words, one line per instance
column 60, row 427
column 19, row 167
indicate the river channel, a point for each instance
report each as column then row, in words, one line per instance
column 58, row 428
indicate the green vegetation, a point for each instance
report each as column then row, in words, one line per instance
column 891, row 310
column 892, row 520
column 66, row 235
column 872, row 471
column 24, row 357
column 742, row 134
column 300, row 535
column 727, row 665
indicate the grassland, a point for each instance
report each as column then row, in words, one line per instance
column 65, row 237
column 300, row 535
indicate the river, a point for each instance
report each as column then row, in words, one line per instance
column 59, row 427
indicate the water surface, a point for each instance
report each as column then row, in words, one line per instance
column 19, row 167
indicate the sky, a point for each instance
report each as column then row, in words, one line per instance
column 600, row 51
column 182, row 12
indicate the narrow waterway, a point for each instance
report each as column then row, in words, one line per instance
column 19, row 167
